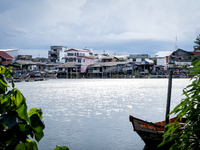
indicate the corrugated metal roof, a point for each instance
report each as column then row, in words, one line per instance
column 73, row 49
column 67, row 65
column 101, row 64
column 6, row 50
column 5, row 55
column 26, row 62
column 149, row 61
column 164, row 53
column 196, row 53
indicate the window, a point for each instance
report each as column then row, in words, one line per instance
column 70, row 54
column 88, row 60
column 79, row 60
column 84, row 60
column 70, row 60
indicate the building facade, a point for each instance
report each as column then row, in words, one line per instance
column 183, row 57
column 165, row 59
column 5, row 58
column 12, row 52
column 56, row 54
column 81, row 57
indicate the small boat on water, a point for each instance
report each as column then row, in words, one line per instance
column 151, row 133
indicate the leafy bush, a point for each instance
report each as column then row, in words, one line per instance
column 16, row 125
column 189, row 107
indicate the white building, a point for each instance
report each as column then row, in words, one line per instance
column 56, row 54
column 11, row 52
column 81, row 57
column 165, row 59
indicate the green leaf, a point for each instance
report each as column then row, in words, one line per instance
column 9, row 119
column 35, row 145
column 19, row 98
column 22, row 112
column 36, row 123
column 3, row 79
column 35, row 111
column 20, row 146
column 58, row 148
column 39, row 136
column 65, row 148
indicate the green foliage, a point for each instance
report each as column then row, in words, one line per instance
column 61, row 148
column 197, row 42
column 16, row 125
column 155, row 60
column 189, row 107
column 195, row 58
column 136, row 73
column 105, row 55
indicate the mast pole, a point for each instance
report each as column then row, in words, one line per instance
column 168, row 98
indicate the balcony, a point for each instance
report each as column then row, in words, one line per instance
column 53, row 52
column 52, row 58
column 172, row 61
column 79, row 63
column 70, row 57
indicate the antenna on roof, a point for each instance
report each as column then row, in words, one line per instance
column 176, row 47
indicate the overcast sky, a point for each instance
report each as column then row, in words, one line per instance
column 116, row 26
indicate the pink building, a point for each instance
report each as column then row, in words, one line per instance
column 82, row 58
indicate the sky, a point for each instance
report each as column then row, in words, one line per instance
column 114, row 26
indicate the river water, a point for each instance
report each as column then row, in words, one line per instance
column 93, row 114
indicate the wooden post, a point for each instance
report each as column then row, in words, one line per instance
column 168, row 98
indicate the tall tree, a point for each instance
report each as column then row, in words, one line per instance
column 197, row 46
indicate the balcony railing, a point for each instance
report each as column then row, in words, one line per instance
column 79, row 63
column 53, row 52
column 172, row 61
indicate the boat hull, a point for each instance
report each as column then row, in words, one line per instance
column 151, row 133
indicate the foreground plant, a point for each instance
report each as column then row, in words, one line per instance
column 16, row 125
column 189, row 107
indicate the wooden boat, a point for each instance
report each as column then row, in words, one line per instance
column 51, row 75
column 25, row 75
column 151, row 133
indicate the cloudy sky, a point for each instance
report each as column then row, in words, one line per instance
column 116, row 26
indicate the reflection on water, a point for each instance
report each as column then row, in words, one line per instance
column 93, row 113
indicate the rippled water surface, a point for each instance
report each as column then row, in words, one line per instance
column 93, row 114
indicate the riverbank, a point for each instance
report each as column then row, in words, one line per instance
column 28, row 80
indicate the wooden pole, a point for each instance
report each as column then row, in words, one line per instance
column 168, row 98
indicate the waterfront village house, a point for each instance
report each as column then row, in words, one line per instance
column 12, row 52
column 5, row 59
column 145, row 67
column 165, row 59
column 67, row 70
column 24, row 57
column 56, row 54
column 183, row 57
column 120, row 58
column 141, row 63
column 30, row 65
column 138, row 57
column 82, row 58
column 106, row 59
column 107, row 69
column 25, row 65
